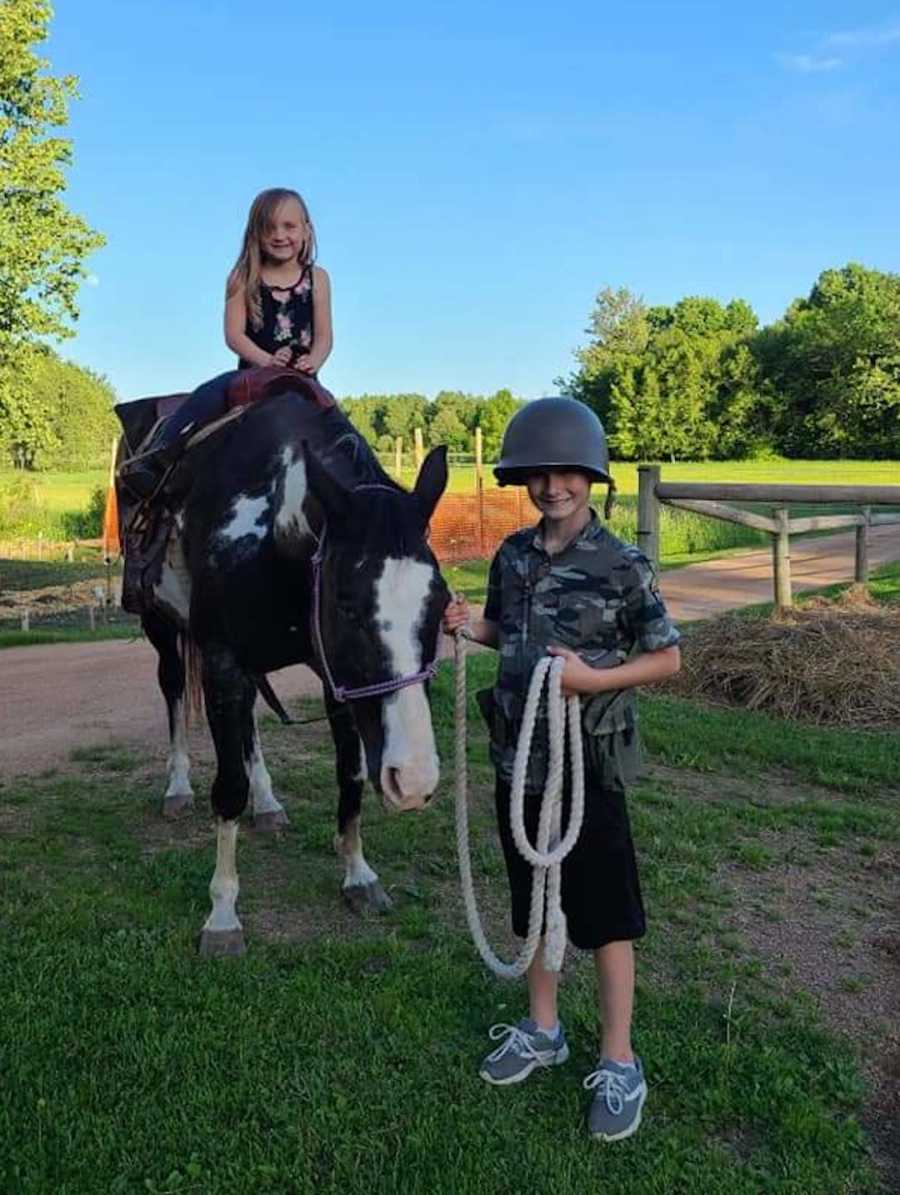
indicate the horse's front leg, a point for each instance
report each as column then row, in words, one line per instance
column 179, row 795
column 361, row 889
column 268, row 812
column 229, row 693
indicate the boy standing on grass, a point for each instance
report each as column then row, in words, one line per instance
column 570, row 588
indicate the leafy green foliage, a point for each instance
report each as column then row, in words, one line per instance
column 451, row 419
column 61, row 416
column 835, row 361
column 672, row 382
column 42, row 244
column 698, row 381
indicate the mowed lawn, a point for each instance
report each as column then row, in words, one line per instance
column 59, row 492
column 782, row 472
column 340, row 1054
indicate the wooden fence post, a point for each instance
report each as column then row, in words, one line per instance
column 648, row 513
column 398, row 456
column 479, row 491
column 861, row 572
column 420, row 449
column 781, row 560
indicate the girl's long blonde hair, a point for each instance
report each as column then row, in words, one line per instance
column 247, row 270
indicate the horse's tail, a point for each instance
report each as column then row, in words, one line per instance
column 192, row 660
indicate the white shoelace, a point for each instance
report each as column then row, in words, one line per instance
column 516, row 1042
column 611, row 1087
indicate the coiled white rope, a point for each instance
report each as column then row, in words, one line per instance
column 546, row 859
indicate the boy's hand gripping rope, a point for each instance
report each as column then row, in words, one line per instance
column 546, row 861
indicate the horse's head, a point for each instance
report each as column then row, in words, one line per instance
column 378, row 605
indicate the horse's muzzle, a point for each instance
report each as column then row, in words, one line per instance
column 404, row 790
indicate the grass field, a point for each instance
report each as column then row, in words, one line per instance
column 339, row 1055
column 59, row 495
column 462, row 478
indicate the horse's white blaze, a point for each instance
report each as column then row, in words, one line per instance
column 409, row 766
column 363, row 773
column 179, row 764
column 245, row 515
column 291, row 527
column 262, row 798
column 357, row 872
column 224, row 887
column 172, row 592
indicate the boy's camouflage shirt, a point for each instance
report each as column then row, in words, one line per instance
column 598, row 597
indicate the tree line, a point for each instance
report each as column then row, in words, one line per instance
column 450, row 418
column 701, row 380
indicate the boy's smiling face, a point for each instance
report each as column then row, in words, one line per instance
column 560, row 495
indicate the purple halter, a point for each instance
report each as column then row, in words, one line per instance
column 341, row 692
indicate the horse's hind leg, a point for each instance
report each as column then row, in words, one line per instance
column 361, row 889
column 268, row 812
column 179, row 795
column 229, row 693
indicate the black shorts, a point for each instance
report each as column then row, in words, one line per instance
column 601, row 893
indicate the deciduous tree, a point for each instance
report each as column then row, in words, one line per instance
column 43, row 245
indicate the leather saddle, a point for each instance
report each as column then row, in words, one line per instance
column 251, row 386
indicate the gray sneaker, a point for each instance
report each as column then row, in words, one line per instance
column 619, row 1094
column 523, row 1048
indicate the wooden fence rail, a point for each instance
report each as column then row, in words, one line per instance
column 711, row 499
column 44, row 549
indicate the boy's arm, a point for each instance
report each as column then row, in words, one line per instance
column 644, row 669
column 481, row 630
column 651, row 630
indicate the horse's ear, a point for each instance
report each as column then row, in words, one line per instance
column 432, row 480
column 335, row 499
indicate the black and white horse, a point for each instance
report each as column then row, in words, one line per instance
column 291, row 545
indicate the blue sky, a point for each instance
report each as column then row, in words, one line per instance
column 476, row 171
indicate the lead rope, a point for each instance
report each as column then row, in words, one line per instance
column 547, row 863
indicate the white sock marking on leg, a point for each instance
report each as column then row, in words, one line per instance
column 224, row 886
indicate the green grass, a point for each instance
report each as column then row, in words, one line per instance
column 339, row 1054
column 121, row 630
column 54, row 505
column 62, row 497
column 784, row 472
column 19, row 575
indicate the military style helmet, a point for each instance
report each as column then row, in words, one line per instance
column 552, row 433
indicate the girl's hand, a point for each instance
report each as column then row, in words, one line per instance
column 578, row 677
column 456, row 615
column 305, row 364
column 282, row 356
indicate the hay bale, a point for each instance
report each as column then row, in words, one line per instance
column 830, row 662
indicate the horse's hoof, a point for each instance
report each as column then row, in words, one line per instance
column 271, row 823
column 178, row 805
column 367, row 898
column 221, row 943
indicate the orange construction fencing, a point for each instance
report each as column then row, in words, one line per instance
column 472, row 526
